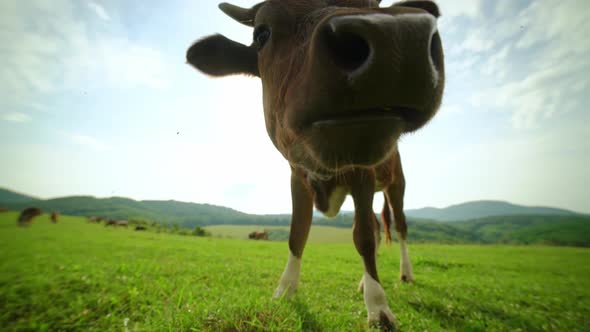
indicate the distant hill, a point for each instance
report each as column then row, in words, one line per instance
column 570, row 230
column 482, row 209
column 181, row 213
column 473, row 222
column 8, row 196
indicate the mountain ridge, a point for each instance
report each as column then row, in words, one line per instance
column 7, row 195
column 180, row 211
column 482, row 209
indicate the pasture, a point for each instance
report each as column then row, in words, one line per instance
column 76, row 276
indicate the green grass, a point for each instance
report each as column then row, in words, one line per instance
column 75, row 276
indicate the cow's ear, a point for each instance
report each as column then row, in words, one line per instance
column 219, row 56
column 426, row 5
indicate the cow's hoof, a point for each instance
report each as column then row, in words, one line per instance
column 407, row 278
column 384, row 321
column 284, row 291
column 406, row 272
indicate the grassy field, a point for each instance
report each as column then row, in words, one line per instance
column 75, row 276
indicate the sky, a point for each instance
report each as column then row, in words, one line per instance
column 97, row 100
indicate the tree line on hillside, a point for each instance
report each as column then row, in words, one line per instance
column 169, row 228
column 517, row 230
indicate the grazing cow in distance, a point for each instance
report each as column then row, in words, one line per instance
column 26, row 216
column 96, row 220
column 258, row 235
column 54, row 217
column 342, row 80
column 113, row 222
column 140, row 228
column 3, row 210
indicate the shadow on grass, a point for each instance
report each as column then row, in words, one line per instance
column 473, row 316
column 442, row 266
column 308, row 320
column 283, row 315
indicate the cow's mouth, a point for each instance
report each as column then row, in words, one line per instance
column 363, row 117
column 347, row 138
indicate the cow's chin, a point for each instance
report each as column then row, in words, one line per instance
column 335, row 146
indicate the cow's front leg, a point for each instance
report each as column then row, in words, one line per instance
column 376, row 230
column 302, row 198
column 394, row 199
column 378, row 312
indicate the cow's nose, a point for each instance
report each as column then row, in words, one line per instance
column 355, row 42
column 345, row 45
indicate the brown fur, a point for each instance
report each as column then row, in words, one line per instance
column 54, row 217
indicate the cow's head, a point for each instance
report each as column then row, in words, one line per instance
column 342, row 79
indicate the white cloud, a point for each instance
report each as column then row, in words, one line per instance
column 37, row 107
column 450, row 110
column 580, row 86
column 99, row 10
column 506, row 7
column 494, row 65
column 63, row 51
column 15, row 117
column 127, row 64
column 534, row 69
column 87, row 141
column 452, row 9
column 468, row 8
column 477, row 41
column 541, row 94
column 550, row 20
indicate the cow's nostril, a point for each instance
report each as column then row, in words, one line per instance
column 436, row 51
column 349, row 51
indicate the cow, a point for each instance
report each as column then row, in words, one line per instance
column 54, row 217
column 258, row 235
column 96, row 220
column 2, row 210
column 342, row 80
column 113, row 222
column 26, row 216
column 140, row 228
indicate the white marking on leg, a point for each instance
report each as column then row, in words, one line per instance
column 361, row 286
column 375, row 301
column 405, row 265
column 290, row 278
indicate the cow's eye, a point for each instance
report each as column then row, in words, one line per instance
column 261, row 35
